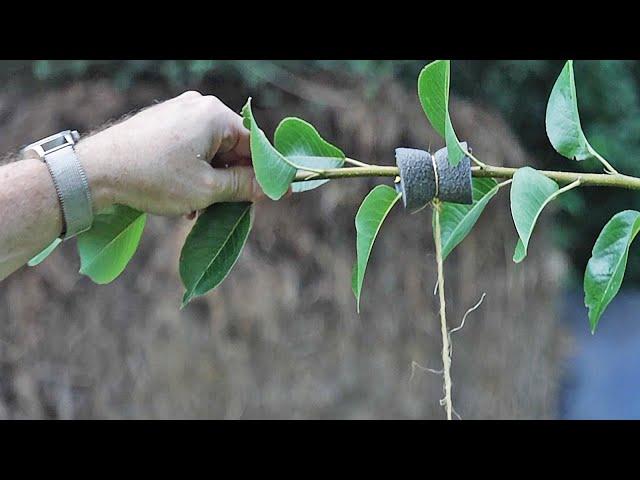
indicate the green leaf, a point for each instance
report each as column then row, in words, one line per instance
column 563, row 120
column 213, row 247
column 433, row 91
column 530, row 193
column 44, row 253
column 106, row 249
column 371, row 214
column 273, row 172
column 455, row 152
column 457, row 220
column 302, row 145
column 608, row 262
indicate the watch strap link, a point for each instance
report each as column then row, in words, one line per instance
column 72, row 187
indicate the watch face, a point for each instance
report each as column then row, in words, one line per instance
column 56, row 142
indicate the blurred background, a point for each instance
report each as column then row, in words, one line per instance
column 281, row 338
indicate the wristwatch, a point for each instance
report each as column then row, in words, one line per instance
column 69, row 179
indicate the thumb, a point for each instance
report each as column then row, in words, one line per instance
column 235, row 184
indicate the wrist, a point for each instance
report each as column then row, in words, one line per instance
column 99, row 172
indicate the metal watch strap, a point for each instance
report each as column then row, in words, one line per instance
column 73, row 191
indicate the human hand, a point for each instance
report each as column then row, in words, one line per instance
column 162, row 159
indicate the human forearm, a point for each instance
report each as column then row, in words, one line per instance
column 30, row 213
column 30, row 217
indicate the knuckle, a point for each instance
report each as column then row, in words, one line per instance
column 211, row 183
column 213, row 109
column 229, row 137
column 211, row 101
column 191, row 94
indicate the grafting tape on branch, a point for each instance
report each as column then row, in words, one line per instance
column 424, row 177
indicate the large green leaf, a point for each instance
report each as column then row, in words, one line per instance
column 302, row 145
column 44, row 253
column 608, row 262
column 457, row 220
column 273, row 171
column 106, row 249
column 531, row 191
column 371, row 214
column 433, row 91
column 563, row 120
column 213, row 247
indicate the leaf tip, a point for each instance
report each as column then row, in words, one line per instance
column 520, row 252
column 593, row 322
column 518, row 258
column 245, row 113
column 185, row 300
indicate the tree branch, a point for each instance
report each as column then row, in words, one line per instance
column 563, row 178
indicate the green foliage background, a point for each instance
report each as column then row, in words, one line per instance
column 607, row 93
